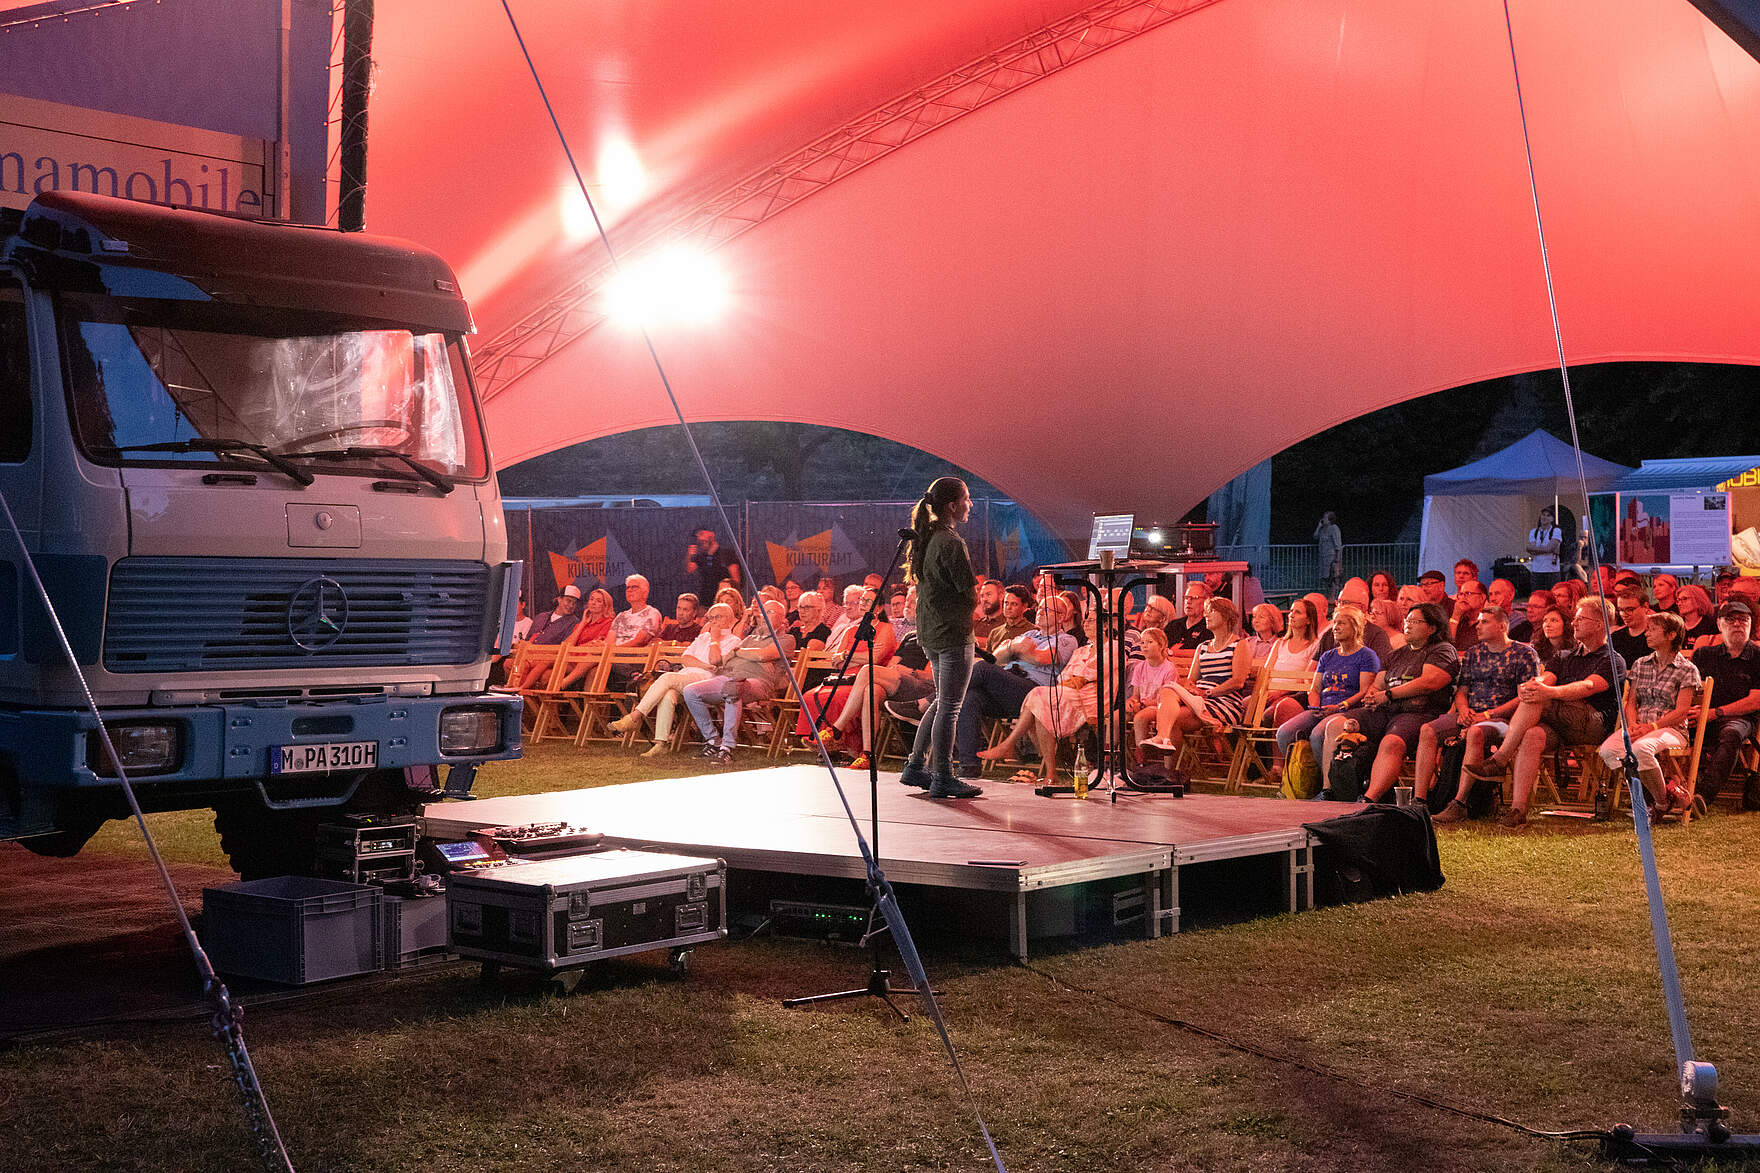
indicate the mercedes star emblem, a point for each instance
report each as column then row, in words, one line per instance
column 317, row 613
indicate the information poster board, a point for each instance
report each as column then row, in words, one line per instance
column 1673, row 529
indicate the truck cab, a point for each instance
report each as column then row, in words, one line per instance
column 247, row 463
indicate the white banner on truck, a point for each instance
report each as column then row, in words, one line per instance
column 46, row 146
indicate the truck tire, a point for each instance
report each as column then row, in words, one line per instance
column 260, row 843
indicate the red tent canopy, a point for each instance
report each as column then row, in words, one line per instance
column 1144, row 246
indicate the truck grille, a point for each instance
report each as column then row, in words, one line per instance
column 202, row 614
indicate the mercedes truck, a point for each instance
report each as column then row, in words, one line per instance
column 246, row 460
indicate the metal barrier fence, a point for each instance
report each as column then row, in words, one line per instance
column 1296, row 568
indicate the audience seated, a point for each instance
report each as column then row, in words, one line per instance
column 1299, row 648
column 1733, row 666
column 686, row 622
column 703, row 659
column 1469, row 599
column 1148, row 677
column 1491, row 672
column 901, row 609
column 1190, row 629
column 989, row 610
column 1214, row 693
column 555, row 628
column 1412, row 688
column 1056, row 710
column 1693, row 605
column 1554, row 633
column 1657, row 710
column 757, row 670
column 1631, row 638
column 1572, row 702
column 1390, row 617
column 809, row 629
column 1022, row 664
column 1382, row 586
column 1524, row 628
column 908, row 679
column 1267, row 629
column 826, row 700
column 1665, row 587
column 1345, row 673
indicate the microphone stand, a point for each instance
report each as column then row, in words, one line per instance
column 879, row 977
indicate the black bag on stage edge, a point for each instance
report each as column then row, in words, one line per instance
column 1447, row 786
column 1348, row 775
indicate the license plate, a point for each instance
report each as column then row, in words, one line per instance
column 323, row 756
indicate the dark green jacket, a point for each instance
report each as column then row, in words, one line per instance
column 947, row 592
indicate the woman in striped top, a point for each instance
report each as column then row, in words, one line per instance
column 1214, row 693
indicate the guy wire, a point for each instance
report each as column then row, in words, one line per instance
column 226, row 1016
column 1670, row 972
column 883, row 894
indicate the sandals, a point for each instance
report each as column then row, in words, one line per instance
column 1026, row 777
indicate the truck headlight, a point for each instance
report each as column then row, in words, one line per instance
column 143, row 749
column 470, row 730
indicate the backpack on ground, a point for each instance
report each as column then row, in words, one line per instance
column 1301, row 773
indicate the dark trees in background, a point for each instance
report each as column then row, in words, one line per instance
column 753, row 461
column 1371, row 470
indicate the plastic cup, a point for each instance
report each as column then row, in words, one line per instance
column 1402, row 795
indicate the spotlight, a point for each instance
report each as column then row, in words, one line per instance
column 675, row 285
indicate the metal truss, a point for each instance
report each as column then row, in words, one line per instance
column 575, row 309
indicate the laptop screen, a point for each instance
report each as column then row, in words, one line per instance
column 1112, row 531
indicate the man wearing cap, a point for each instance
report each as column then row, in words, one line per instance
column 1435, row 588
column 559, row 624
column 1733, row 666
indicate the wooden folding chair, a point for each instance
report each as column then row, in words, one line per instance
column 605, row 696
column 523, row 655
column 556, row 705
column 1209, row 754
column 785, row 711
column 1255, row 738
column 1683, row 762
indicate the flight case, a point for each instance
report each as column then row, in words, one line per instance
column 558, row 915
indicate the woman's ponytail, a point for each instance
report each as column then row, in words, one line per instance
column 930, row 512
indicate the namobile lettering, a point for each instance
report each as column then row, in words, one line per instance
column 49, row 147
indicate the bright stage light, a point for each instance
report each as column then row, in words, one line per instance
column 622, row 178
column 676, row 285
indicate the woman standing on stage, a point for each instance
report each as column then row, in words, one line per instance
column 947, row 594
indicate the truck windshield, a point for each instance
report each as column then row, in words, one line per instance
column 145, row 377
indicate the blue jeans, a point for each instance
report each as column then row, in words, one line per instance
column 718, row 689
column 934, row 743
column 1302, row 724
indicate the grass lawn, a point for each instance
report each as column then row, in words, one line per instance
column 1526, row 987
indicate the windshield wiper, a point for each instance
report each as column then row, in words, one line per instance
column 211, row 444
column 358, row 452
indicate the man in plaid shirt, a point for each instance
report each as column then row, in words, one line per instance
column 1484, row 697
column 1657, row 711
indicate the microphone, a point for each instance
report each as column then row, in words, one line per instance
column 907, row 533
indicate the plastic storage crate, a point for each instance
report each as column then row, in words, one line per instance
column 294, row 930
column 415, row 930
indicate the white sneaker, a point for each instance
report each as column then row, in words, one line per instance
column 1159, row 743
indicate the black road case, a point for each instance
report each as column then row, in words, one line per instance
column 557, row 915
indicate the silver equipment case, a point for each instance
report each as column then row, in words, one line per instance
column 558, row 915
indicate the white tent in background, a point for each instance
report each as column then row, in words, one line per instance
column 1485, row 509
